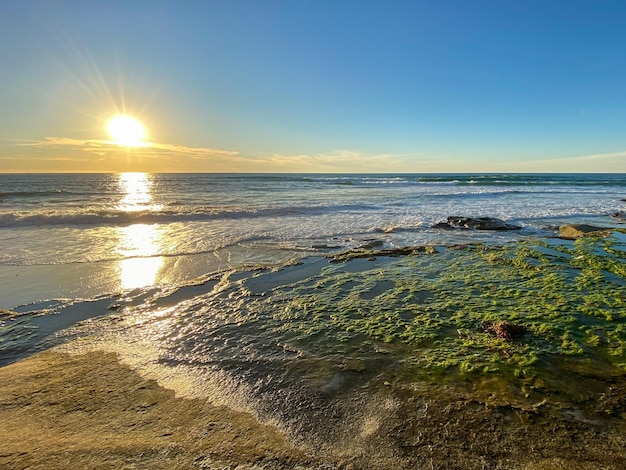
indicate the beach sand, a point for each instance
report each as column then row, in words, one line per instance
column 89, row 411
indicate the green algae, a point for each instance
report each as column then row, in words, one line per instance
column 420, row 316
column 570, row 296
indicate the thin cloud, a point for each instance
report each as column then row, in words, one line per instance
column 104, row 146
column 348, row 161
column 178, row 157
column 615, row 156
column 600, row 162
column 104, row 155
column 67, row 154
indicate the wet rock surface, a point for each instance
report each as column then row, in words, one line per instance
column 619, row 215
column 579, row 230
column 475, row 223
column 100, row 414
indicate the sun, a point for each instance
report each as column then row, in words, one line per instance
column 126, row 131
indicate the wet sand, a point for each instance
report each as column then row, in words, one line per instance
column 89, row 411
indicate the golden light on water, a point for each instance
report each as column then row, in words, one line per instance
column 136, row 189
column 126, row 131
column 140, row 243
column 143, row 242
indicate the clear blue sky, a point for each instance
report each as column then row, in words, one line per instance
column 264, row 85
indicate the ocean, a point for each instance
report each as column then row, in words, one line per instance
column 224, row 286
column 134, row 225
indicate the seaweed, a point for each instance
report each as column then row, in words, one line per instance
column 441, row 311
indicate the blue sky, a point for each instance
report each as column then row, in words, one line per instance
column 300, row 86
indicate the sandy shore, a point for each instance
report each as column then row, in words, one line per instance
column 89, row 411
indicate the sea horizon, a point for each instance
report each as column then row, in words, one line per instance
column 58, row 172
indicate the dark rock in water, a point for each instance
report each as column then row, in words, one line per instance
column 476, row 223
column 369, row 244
column 503, row 329
column 621, row 215
column 578, row 230
column 443, row 226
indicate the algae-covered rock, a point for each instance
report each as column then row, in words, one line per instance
column 7, row 313
column 373, row 254
column 578, row 230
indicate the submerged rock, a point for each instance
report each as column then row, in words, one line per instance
column 373, row 254
column 336, row 382
column 372, row 243
column 476, row 223
column 579, row 230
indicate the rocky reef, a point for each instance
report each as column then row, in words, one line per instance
column 475, row 223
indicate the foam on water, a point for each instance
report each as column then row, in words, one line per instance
column 139, row 220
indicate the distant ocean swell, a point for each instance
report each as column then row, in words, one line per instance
column 35, row 194
column 55, row 219
column 528, row 179
column 121, row 217
column 477, row 180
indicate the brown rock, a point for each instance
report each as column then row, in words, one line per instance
column 504, row 330
column 578, row 230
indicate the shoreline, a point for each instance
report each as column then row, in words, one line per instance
column 61, row 410
column 89, row 411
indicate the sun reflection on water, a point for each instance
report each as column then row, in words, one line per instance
column 137, row 192
column 139, row 243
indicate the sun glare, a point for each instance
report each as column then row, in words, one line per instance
column 126, row 131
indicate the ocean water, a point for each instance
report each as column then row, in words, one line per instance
column 63, row 219
column 220, row 286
